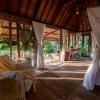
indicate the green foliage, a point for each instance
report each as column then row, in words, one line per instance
column 50, row 46
column 85, row 45
column 3, row 42
column 14, row 43
column 3, row 45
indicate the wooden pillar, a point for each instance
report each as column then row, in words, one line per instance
column 89, row 45
column 10, row 38
column 18, row 39
column 68, row 41
column 75, row 43
column 63, row 51
column 72, row 36
column 60, row 44
column 82, row 45
column 77, row 39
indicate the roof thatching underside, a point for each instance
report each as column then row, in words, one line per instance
column 67, row 14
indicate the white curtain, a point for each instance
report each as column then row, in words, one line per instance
column 92, row 76
column 39, row 30
column 64, row 41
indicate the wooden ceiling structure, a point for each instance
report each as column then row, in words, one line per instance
column 49, row 33
column 56, row 14
column 66, row 14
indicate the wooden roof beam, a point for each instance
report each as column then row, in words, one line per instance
column 69, row 3
column 51, row 39
column 26, row 10
column 52, row 26
column 11, row 17
column 8, row 27
column 49, row 33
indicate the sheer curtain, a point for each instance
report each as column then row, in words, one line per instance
column 39, row 30
column 92, row 76
column 64, row 40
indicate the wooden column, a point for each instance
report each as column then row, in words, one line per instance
column 72, row 36
column 18, row 39
column 64, row 34
column 75, row 41
column 82, row 45
column 68, row 41
column 89, row 45
column 10, row 38
column 60, row 44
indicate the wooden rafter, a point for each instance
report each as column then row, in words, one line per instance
column 52, row 32
column 13, row 17
column 27, row 7
column 46, row 13
column 69, row 3
column 67, row 20
column 8, row 27
column 35, row 10
column 51, row 12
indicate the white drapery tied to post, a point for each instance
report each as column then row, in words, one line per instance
column 64, row 40
column 39, row 30
column 92, row 76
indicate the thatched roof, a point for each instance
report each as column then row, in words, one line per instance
column 67, row 14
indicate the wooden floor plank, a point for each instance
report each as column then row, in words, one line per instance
column 64, row 83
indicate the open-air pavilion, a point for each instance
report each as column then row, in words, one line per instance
column 67, row 75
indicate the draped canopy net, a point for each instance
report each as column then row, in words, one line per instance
column 92, row 75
